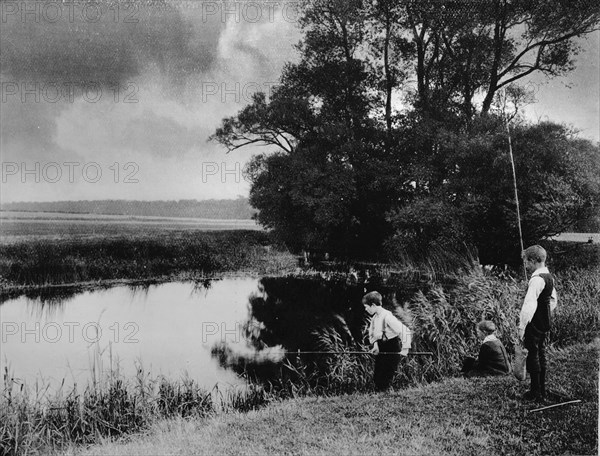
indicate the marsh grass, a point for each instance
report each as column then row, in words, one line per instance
column 77, row 260
column 577, row 317
column 34, row 421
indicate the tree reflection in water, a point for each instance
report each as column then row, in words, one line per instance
column 290, row 314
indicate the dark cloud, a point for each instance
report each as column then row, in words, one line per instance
column 106, row 51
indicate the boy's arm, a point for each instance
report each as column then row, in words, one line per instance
column 485, row 354
column 404, row 333
column 372, row 335
column 536, row 286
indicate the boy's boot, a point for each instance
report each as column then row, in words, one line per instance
column 534, row 393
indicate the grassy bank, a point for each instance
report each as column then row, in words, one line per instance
column 167, row 255
column 454, row 417
column 444, row 319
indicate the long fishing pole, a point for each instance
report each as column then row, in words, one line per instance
column 304, row 352
column 514, row 173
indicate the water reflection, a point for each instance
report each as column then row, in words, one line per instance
column 212, row 331
column 168, row 329
column 321, row 313
column 288, row 314
column 289, row 311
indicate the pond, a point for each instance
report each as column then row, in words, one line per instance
column 209, row 332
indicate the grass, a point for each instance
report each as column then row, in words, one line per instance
column 34, row 421
column 162, row 256
column 453, row 417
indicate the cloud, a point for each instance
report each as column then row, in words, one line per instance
column 187, row 70
column 103, row 49
column 159, row 135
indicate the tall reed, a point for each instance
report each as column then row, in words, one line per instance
column 34, row 421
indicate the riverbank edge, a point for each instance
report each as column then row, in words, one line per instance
column 453, row 417
column 83, row 264
column 10, row 291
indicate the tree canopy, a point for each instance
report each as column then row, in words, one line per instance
column 389, row 133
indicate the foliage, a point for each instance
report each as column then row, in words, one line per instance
column 571, row 256
column 577, row 317
column 348, row 171
column 558, row 180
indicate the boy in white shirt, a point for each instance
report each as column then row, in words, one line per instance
column 391, row 339
column 535, row 318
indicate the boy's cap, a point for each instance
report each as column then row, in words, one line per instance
column 487, row 326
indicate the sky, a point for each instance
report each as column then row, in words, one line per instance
column 114, row 100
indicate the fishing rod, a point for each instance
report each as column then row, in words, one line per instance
column 300, row 352
column 514, row 175
column 576, row 401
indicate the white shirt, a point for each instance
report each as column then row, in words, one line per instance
column 489, row 338
column 384, row 323
column 536, row 286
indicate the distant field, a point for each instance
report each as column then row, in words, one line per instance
column 578, row 237
column 18, row 226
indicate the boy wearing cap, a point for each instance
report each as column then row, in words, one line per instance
column 390, row 338
column 535, row 318
column 492, row 359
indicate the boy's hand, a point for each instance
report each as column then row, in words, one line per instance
column 521, row 334
column 404, row 352
column 375, row 349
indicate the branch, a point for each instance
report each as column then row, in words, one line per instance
column 532, row 68
column 538, row 44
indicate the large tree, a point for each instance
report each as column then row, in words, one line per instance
column 347, row 161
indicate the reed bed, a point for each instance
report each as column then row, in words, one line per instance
column 41, row 262
column 34, row 421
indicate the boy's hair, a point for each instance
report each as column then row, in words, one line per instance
column 373, row 297
column 486, row 326
column 535, row 253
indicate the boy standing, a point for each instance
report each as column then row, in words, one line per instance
column 535, row 319
column 390, row 338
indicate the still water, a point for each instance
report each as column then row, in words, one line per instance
column 211, row 332
column 168, row 329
